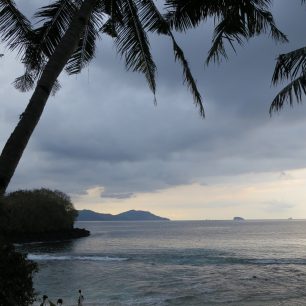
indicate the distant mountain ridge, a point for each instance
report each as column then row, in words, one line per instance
column 131, row 215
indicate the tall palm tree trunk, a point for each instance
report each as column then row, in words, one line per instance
column 18, row 140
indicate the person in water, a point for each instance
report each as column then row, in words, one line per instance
column 81, row 298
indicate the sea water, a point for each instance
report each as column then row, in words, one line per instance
column 177, row 263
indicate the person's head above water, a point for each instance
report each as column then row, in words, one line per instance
column 45, row 297
column 80, row 291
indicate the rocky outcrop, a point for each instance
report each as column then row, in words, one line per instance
column 48, row 236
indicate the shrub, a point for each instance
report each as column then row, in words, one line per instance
column 38, row 211
column 16, row 272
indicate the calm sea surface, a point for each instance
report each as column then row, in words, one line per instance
column 177, row 263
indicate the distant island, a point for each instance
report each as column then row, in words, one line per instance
column 131, row 215
column 238, row 219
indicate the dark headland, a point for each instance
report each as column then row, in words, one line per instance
column 59, row 235
column 131, row 215
column 38, row 215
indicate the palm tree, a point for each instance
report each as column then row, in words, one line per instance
column 69, row 29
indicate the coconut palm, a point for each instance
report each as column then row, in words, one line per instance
column 68, row 30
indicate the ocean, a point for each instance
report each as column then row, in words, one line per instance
column 177, row 263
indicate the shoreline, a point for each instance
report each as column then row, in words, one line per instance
column 48, row 236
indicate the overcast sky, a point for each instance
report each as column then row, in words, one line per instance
column 102, row 140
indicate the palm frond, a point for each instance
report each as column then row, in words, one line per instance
column 132, row 43
column 238, row 25
column 188, row 78
column 55, row 20
column 235, row 21
column 185, row 14
column 228, row 31
column 25, row 82
column 155, row 22
column 261, row 21
column 289, row 65
column 86, row 49
column 295, row 89
column 109, row 28
column 151, row 18
column 56, row 87
column 112, row 8
column 15, row 28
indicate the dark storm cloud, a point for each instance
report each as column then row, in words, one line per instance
column 102, row 128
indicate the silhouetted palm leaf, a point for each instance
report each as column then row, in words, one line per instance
column 294, row 89
column 113, row 8
column 289, row 65
column 236, row 21
column 188, row 78
column 15, row 28
column 153, row 21
column 55, row 19
column 25, row 82
column 184, row 15
column 239, row 24
column 132, row 42
column 87, row 45
column 151, row 17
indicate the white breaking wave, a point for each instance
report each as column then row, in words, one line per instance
column 40, row 257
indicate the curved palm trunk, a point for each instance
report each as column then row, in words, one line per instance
column 18, row 140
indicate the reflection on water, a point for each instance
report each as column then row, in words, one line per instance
column 177, row 263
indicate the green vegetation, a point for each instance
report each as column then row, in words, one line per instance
column 22, row 214
column 38, row 211
column 16, row 272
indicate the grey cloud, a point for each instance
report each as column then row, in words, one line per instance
column 118, row 196
column 103, row 129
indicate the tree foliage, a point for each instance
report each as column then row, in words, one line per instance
column 290, row 66
column 234, row 21
column 38, row 211
column 16, row 272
